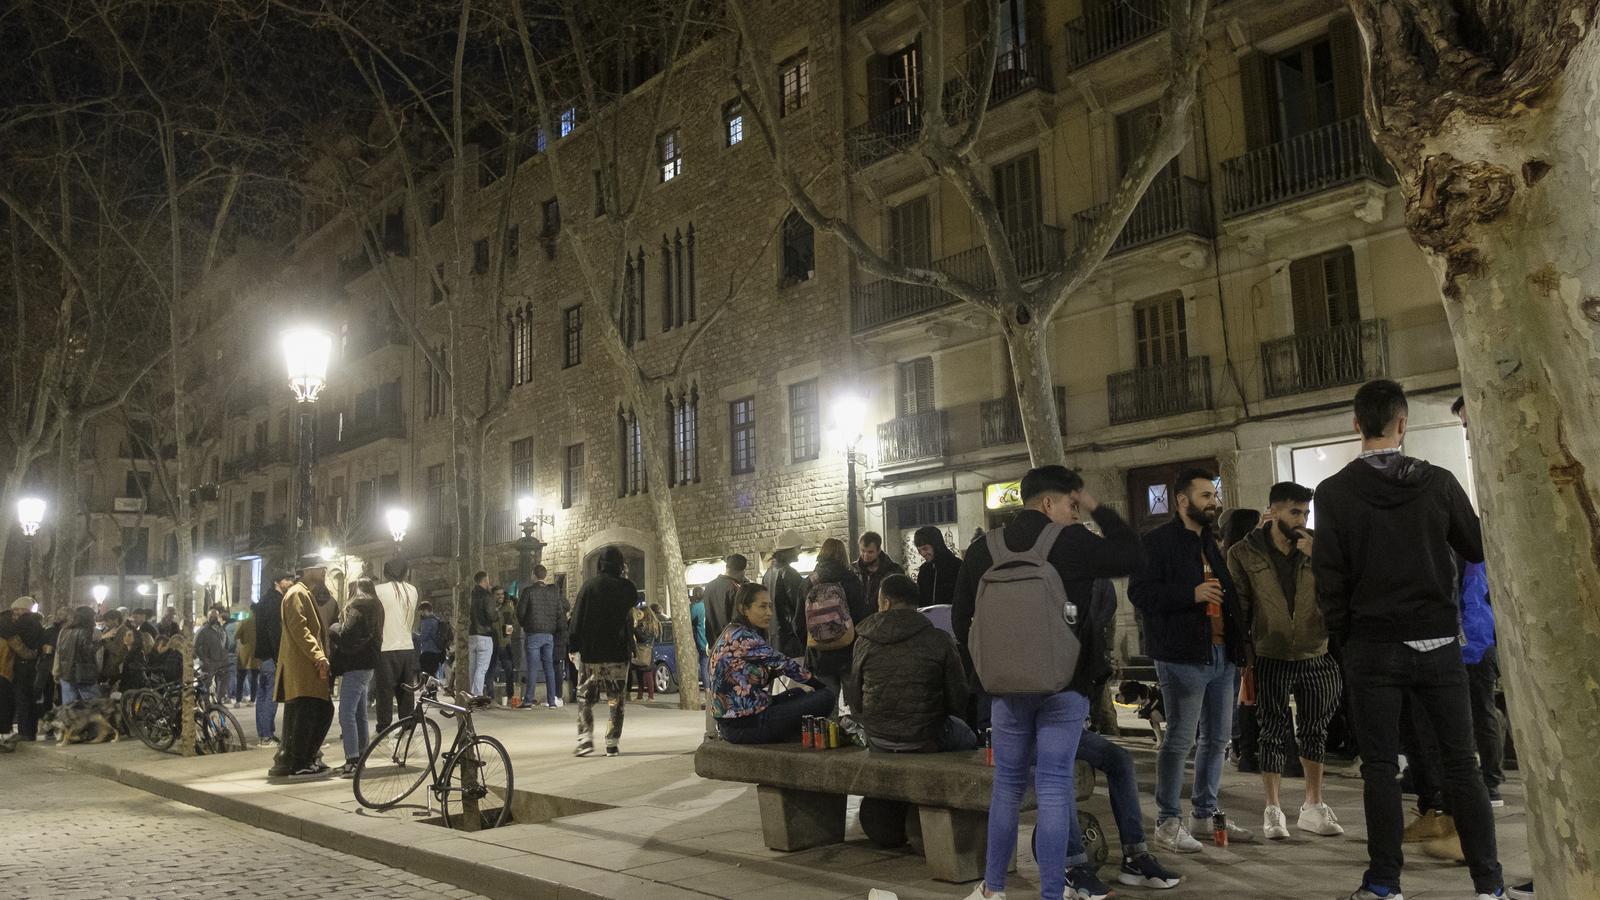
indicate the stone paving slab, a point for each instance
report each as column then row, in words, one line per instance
column 668, row 833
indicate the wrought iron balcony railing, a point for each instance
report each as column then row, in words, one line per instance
column 1308, row 163
column 911, row 439
column 1344, row 354
column 1000, row 420
column 1171, row 206
column 1156, row 391
column 1103, row 30
column 880, row 302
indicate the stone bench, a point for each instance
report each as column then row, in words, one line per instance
column 802, row 793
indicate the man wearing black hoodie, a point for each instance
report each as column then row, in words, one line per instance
column 602, row 636
column 1389, row 530
column 907, row 685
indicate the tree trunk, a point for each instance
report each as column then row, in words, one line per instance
column 467, row 459
column 1502, row 203
column 1036, row 392
column 70, row 519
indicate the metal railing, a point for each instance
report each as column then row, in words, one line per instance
column 910, row 439
column 364, row 431
column 1308, row 163
column 257, row 459
column 883, row 301
column 1344, row 354
column 1103, row 30
column 1156, row 391
column 1000, row 420
column 1172, row 205
column 880, row 302
column 883, row 135
column 1025, row 67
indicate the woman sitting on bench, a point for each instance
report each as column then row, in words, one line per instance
column 743, row 667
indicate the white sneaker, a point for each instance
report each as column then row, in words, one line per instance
column 1319, row 819
column 1173, row 837
column 1273, row 825
column 978, row 894
column 558, row 704
column 1237, row 834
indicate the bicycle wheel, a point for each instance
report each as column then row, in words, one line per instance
column 154, row 720
column 396, row 761
column 224, row 731
column 479, row 777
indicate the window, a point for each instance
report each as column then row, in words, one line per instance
column 1160, row 333
column 569, row 120
column 909, row 240
column 521, row 468
column 513, row 244
column 929, row 509
column 572, row 341
column 915, row 380
column 1306, row 95
column 799, row 250
column 631, row 325
column 677, row 279
column 438, row 286
column 794, row 84
column 480, row 256
column 1323, row 290
column 669, row 155
column 1016, row 188
column 742, row 435
column 440, row 521
column 1135, row 129
column 572, row 484
column 733, row 122
column 551, row 212
column 683, row 446
column 438, row 385
column 894, row 82
column 630, row 455
column 804, row 423
column 519, row 328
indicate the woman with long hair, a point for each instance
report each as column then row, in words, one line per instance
column 356, row 639
column 743, row 667
column 831, row 661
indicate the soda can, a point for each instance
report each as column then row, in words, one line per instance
column 833, row 735
column 1219, row 830
column 988, row 746
column 805, row 732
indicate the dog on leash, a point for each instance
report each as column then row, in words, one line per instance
column 83, row 722
column 1151, row 708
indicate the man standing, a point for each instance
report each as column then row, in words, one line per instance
column 719, row 596
column 484, row 630
column 787, row 588
column 268, row 616
column 302, row 682
column 1288, row 647
column 1390, row 529
column 1193, row 630
column 873, row 565
column 397, row 656
column 542, row 609
column 211, row 652
column 936, row 577
column 602, row 636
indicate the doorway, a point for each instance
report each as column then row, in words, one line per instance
column 1150, row 487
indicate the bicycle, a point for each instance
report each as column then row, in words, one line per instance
column 154, row 715
column 474, row 774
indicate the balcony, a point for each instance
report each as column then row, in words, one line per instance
column 360, row 432
column 1306, row 164
column 1156, row 391
column 1025, row 67
column 257, row 459
column 912, row 439
column 1172, row 206
column 1104, row 30
column 1338, row 356
column 260, row 536
column 880, row 302
column 860, row 9
column 1000, row 421
column 883, row 135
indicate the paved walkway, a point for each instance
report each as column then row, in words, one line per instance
column 644, row 825
column 75, row 837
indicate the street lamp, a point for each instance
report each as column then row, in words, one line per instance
column 849, row 422
column 306, row 352
column 530, row 547
column 399, row 520
column 99, row 592
column 205, row 568
column 143, row 589
column 30, row 515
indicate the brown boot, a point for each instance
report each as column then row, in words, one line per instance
column 1429, row 826
column 1447, row 845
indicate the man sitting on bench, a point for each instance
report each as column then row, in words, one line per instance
column 907, row 685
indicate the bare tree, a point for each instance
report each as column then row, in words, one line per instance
column 1485, row 109
column 954, row 103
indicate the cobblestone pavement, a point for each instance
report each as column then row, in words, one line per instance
column 71, row 836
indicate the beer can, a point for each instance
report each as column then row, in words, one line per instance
column 988, row 746
column 805, row 732
column 833, row 735
column 1219, row 830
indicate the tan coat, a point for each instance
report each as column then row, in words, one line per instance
column 245, row 638
column 301, row 648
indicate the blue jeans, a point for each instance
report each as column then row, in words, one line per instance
column 955, row 737
column 267, row 700
column 541, row 652
column 1043, row 728
column 1199, row 699
column 355, row 688
column 71, row 692
column 1117, row 765
column 480, row 650
column 780, row 721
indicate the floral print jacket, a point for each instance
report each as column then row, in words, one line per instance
column 743, row 666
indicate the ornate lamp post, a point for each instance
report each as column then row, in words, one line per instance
column 30, row 515
column 398, row 520
column 205, row 569
column 849, row 423
column 306, row 352
column 530, row 547
column 99, row 592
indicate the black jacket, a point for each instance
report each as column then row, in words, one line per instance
column 1177, row 629
column 787, row 588
column 542, row 609
column 268, row 614
column 871, row 580
column 1386, row 539
column 482, row 615
column 357, row 637
column 719, row 604
column 837, row 662
column 906, row 678
column 937, row 578
column 602, row 622
column 1080, row 556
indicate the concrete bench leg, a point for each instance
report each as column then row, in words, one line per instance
column 800, row 820
column 954, row 842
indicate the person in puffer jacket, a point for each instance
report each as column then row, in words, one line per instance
column 907, row 685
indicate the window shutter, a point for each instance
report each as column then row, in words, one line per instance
column 1257, row 99
column 1306, row 293
column 1345, row 41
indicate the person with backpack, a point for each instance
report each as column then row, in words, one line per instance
column 835, row 603
column 1022, row 607
column 433, row 638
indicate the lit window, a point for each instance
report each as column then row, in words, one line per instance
column 733, row 123
column 669, row 155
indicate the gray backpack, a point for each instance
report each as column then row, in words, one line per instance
column 1022, row 639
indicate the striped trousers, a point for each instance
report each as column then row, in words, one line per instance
column 1316, row 686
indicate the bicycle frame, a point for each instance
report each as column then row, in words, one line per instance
column 439, row 763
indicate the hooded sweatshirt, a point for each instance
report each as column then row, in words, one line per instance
column 906, row 681
column 1388, row 532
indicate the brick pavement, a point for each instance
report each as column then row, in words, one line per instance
column 72, row 836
